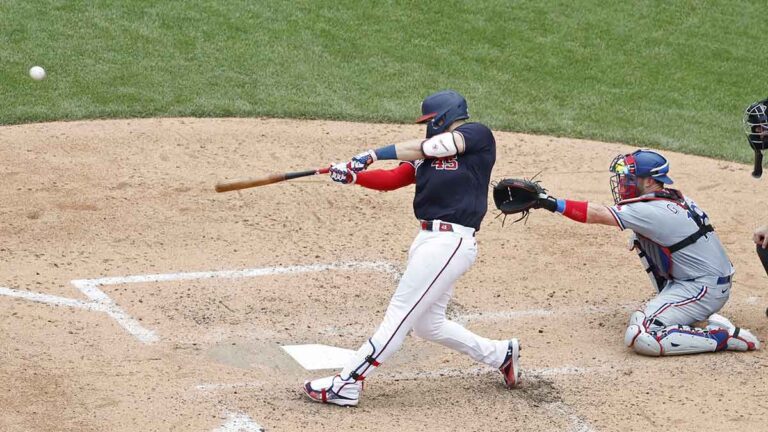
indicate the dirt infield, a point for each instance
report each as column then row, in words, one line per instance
column 104, row 327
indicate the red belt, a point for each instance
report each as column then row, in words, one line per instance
column 433, row 226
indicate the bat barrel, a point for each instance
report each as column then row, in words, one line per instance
column 230, row 185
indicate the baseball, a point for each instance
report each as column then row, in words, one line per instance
column 37, row 73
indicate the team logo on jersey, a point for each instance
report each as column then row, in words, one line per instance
column 449, row 164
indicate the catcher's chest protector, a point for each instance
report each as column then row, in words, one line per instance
column 657, row 258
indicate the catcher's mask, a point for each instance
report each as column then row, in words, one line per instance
column 439, row 110
column 627, row 168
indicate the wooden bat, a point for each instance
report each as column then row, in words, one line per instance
column 230, row 185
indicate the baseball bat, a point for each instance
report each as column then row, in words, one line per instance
column 758, row 171
column 230, row 185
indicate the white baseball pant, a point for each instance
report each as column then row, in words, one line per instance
column 435, row 261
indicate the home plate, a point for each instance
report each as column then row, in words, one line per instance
column 316, row 356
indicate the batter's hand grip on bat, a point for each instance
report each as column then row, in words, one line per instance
column 230, row 185
column 758, row 171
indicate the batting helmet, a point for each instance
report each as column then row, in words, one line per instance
column 627, row 168
column 439, row 110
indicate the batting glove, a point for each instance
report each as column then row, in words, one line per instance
column 342, row 174
column 360, row 162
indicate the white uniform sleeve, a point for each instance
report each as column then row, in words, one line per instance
column 638, row 217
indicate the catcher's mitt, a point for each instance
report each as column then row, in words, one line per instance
column 513, row 196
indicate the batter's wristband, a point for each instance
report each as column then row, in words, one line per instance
column 386, row 153
column 576, row 210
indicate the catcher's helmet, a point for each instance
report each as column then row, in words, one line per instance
column 756, row 125
column 439, row 110
column 627, row 168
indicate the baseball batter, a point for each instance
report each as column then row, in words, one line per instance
column 451, row 170
column 679, row 249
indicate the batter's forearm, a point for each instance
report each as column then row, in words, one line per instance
column 445, row 145
column 409, row 150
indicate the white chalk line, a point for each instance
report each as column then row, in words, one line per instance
column 52, row 299
column 130, row 324
column 500, row 315
column 246, row 273
column 578, row 423
column 101, row 302
column 239, row 422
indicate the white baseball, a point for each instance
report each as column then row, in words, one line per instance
column 37, row 73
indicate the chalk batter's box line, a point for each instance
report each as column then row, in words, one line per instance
column 101, row 302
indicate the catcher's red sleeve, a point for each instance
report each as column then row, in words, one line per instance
column 387, row 180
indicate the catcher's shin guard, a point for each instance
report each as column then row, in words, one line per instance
column 679, row 340
column 673, row 340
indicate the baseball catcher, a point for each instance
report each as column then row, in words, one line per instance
column 677, row 245
column 451, row 170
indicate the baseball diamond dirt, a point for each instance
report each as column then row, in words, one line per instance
column 85, row 205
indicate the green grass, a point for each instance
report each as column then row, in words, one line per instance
column 665, row 74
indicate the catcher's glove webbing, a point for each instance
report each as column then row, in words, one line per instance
column 513, row 196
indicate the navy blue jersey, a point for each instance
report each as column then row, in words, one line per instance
column 456, row 189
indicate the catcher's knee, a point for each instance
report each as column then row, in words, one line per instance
column 635, row 328
column 639, row 339
column 645, row 343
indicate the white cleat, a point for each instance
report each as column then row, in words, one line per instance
column 719, row 321
column 739, row 339
column 334, row 390
column 510, row 368
column 742, row 340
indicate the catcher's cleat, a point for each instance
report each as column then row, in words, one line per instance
column 739, row 339
column 510, row 368
column 334, row 390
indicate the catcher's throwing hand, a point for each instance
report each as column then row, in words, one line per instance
column 342, row 174
column 513, row 196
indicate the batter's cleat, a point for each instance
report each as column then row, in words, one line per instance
column 510, row 368
column 334, row 390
